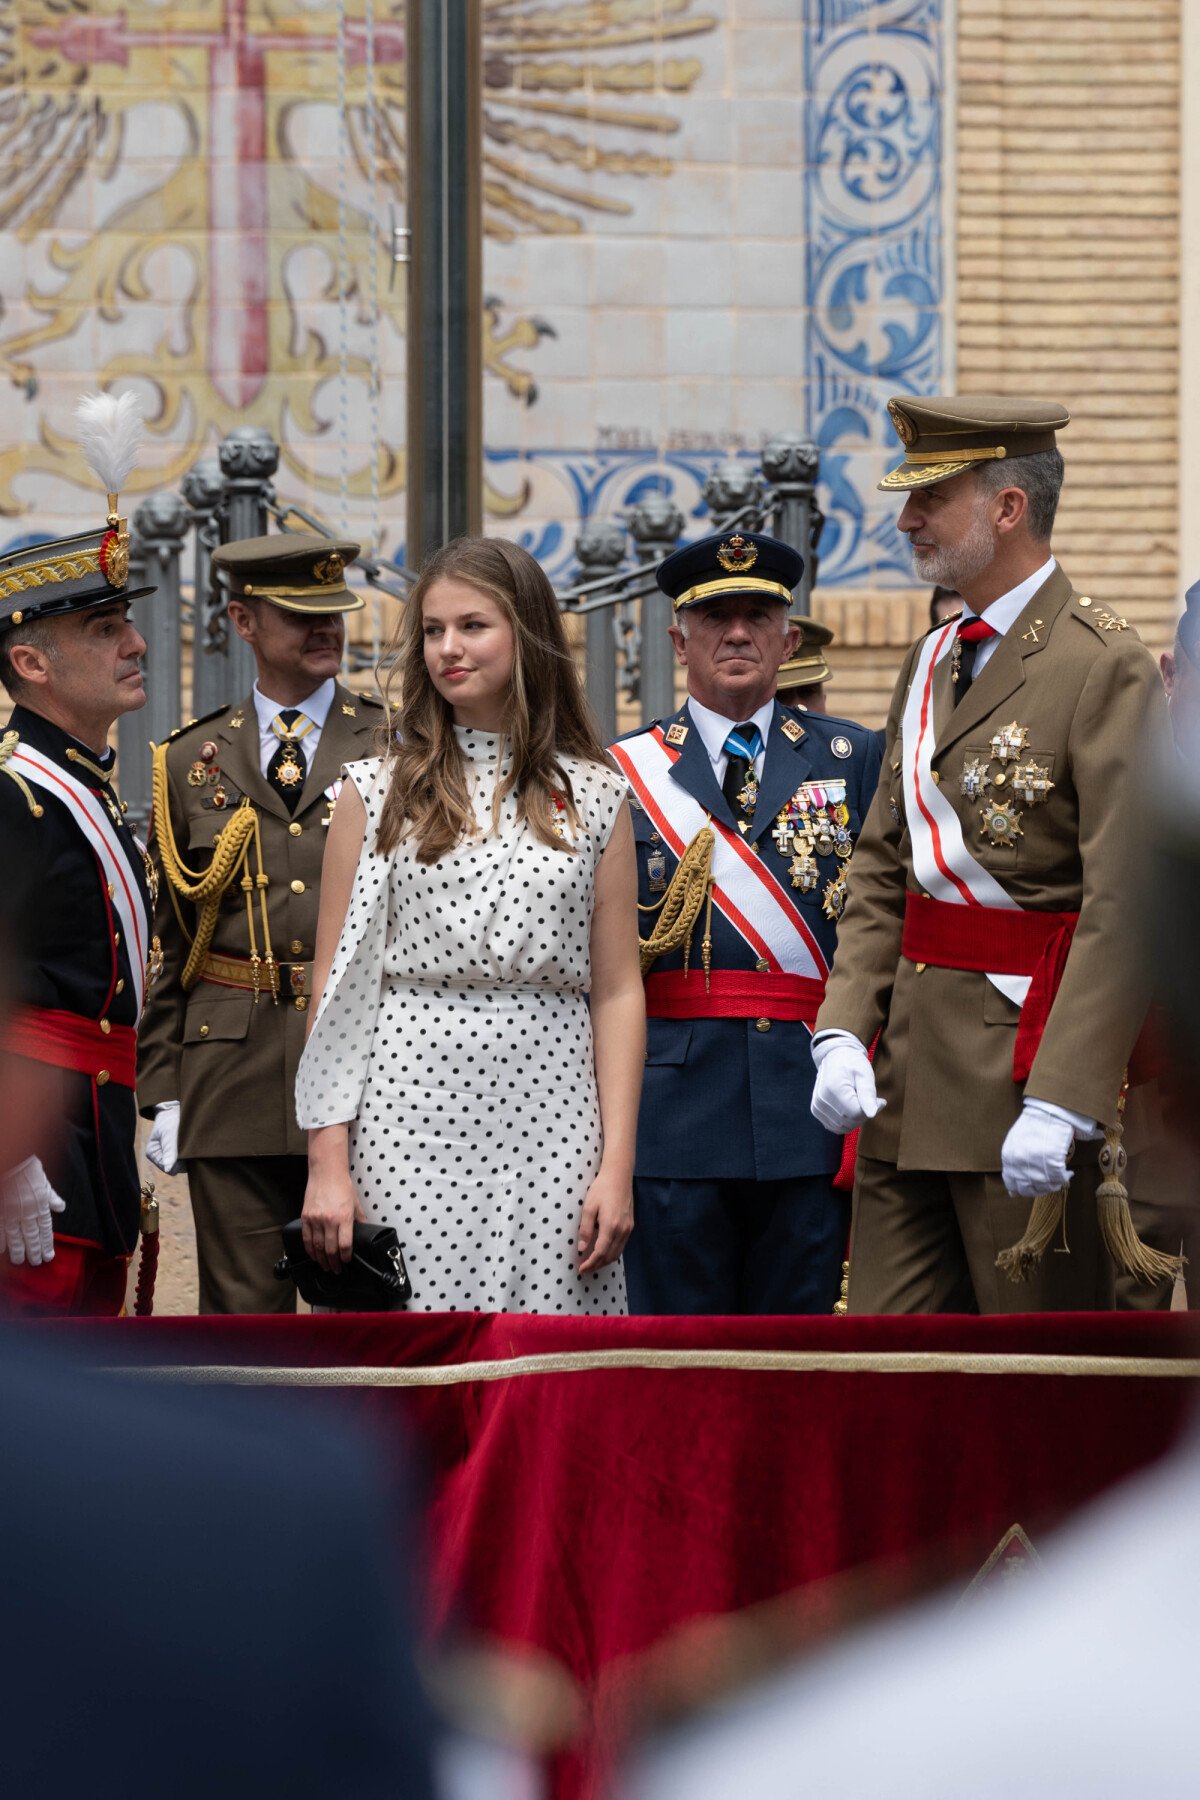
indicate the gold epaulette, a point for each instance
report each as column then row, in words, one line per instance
column 8, row 744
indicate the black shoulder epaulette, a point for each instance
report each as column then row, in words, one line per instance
column 204, row 720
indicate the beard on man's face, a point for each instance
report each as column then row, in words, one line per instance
column 956, row 565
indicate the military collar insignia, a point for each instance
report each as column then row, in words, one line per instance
column 348, row 712
column 236, row 723
column 676, row 733
column 792, row 730
column 737, row 556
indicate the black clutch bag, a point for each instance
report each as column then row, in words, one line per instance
column 374, row 1280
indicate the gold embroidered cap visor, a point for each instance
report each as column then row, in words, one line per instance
column 299, row 571
column 947, row 435
column 64, row 575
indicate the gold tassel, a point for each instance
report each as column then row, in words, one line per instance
column 841, row 1305
column 1179, row 1299
column 1045, row 1219
column 1117, row 1232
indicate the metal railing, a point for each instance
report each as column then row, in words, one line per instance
column 628, row 654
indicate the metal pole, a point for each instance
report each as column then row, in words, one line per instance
column 249, row 457
column 445, row 296
column 204, row 490
column 655, row 524
column 791, row 464
column 601, row 546
column 159, row 527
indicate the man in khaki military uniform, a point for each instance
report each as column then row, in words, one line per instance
column 987, row 941
column 803, row 676
column 242, row 800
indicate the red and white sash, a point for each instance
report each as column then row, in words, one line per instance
column 97, row 828
column 942, row 863
column 744, row 892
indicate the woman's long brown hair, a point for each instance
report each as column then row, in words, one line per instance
column 428, row 797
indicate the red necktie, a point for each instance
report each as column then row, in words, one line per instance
column 971, row 633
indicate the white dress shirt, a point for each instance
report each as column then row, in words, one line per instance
column 714, row 728
column 316, row 708
column 1004, row 612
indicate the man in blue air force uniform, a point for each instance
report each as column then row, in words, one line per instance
column 745, row 815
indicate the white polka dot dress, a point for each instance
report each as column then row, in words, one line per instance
column 454, row 1035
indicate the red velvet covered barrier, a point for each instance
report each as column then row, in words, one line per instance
column 598, row 1483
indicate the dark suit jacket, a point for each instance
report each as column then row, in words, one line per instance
column 721, row 1099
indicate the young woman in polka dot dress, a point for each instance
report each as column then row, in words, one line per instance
column 474, row 1064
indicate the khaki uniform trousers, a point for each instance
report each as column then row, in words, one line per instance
column 240, row 1205
column 927, row 1242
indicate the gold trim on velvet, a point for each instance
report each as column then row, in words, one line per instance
column 831, row 1362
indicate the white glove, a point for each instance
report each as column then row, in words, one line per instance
column 1033, row 1159
column 25, row 1208
column 844, row 1096
column 162, row 1146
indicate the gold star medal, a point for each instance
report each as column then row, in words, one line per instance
column 289, row 771
column 1031, row 780
column 1001, row 823
column 974, row 778
column 1009, row 741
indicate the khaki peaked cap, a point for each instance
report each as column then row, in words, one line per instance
column 945, row 435
column 300, row 571
column 807, row 667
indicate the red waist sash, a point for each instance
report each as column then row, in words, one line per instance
column 732, row 994
column 68, row 1041
column 995, row 941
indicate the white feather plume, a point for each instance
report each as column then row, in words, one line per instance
column 110, row 436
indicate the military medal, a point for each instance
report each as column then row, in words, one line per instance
column 220, row 797
column 833, row 900
column 656, row 872
column 208, row 750
column 747, row 795
column 289, row 771
column 1009, row 741
column 1031, row 780
column 151, row 878
column 974, row 778
column 154, row 962
column 1001, row 823
column 843, row 843
column 197, row 775
column 823, row 837
column 804, row 871
column 840, row 814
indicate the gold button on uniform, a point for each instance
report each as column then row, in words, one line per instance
column 921, row 967
column 112, row 892
column 120, row 987
column 105, row 1027
column 935, row 775
column 102, row 1077
column 297, row 887
column 762, row 1024
column 301, row 1003
column 296, row 947
column 762, row 965
column 204, row 1031
column 295, row 829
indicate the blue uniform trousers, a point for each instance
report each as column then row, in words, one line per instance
column 736, row 1246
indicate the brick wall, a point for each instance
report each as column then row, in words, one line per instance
column 1068, row 233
